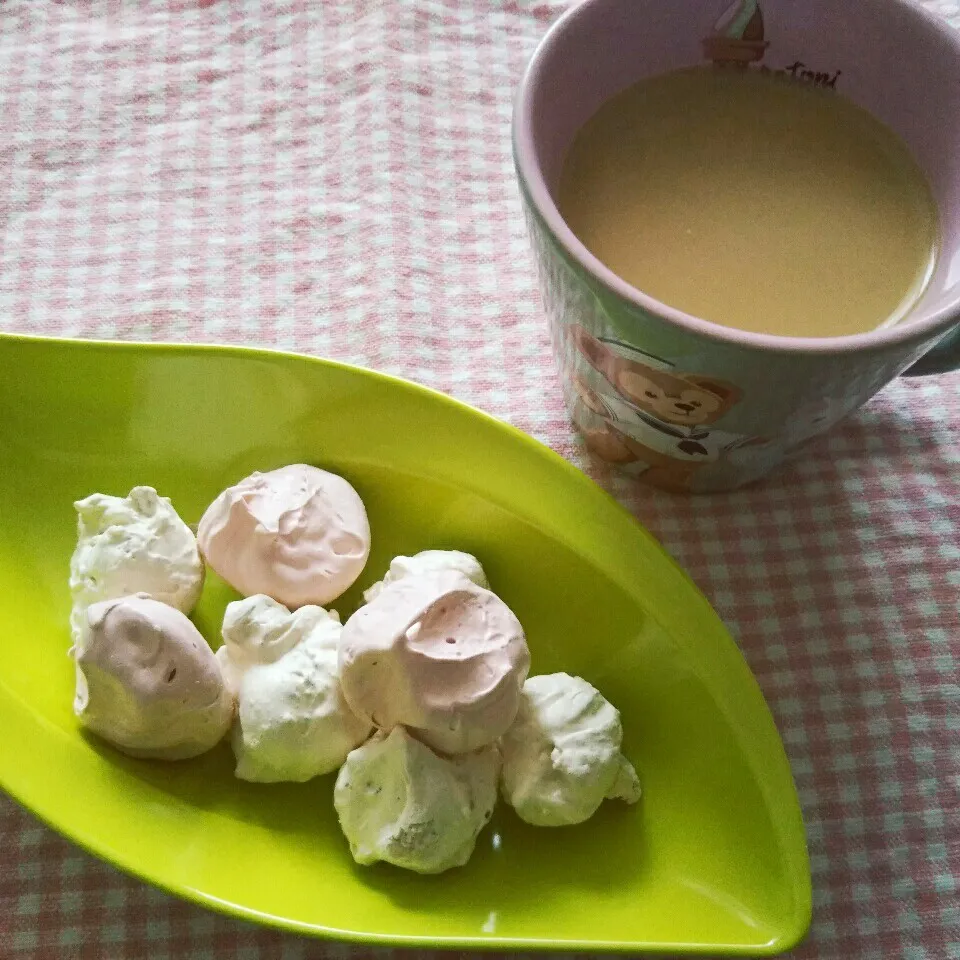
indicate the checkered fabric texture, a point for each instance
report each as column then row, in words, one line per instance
column 334, row 177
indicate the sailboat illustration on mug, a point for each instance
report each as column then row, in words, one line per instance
column 737, row 37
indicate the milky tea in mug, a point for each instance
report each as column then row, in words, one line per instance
column 755, row 200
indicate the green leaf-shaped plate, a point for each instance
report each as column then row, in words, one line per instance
column 713, row 859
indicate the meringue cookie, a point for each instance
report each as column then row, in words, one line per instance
column 561, row 757
column 439, row 655
column 399, row 802
column 426, row 562
column 293, row 723
column 297, row 534
column 147, row 681
column 133, row 544
column 259, row 631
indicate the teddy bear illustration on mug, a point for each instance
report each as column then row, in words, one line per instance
column 653, row 415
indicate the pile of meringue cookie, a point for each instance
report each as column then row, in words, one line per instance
column 421, row 699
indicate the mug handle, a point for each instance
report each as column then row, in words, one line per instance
column 943, row 358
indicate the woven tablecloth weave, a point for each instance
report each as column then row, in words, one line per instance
column 335, row 178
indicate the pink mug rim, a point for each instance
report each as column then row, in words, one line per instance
column 533, row 181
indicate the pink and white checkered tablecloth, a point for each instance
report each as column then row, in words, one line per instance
column 334, row 177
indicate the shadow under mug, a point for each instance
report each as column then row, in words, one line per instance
column 757, row 396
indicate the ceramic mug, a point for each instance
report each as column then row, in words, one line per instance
column 682, row 402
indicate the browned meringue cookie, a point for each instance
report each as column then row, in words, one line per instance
column 438, row 654
column 147, row 681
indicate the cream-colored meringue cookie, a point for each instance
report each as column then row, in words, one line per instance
column 426, row 562
column 561, row 757
column 133, row 544
column 439, row 655
column 258, row 630
column 147, row 681
column 292, row 722
column 297, row 534
column 400, row 802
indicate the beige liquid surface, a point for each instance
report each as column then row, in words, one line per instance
column 753, row 201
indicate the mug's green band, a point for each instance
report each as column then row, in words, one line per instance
column 943, row 358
